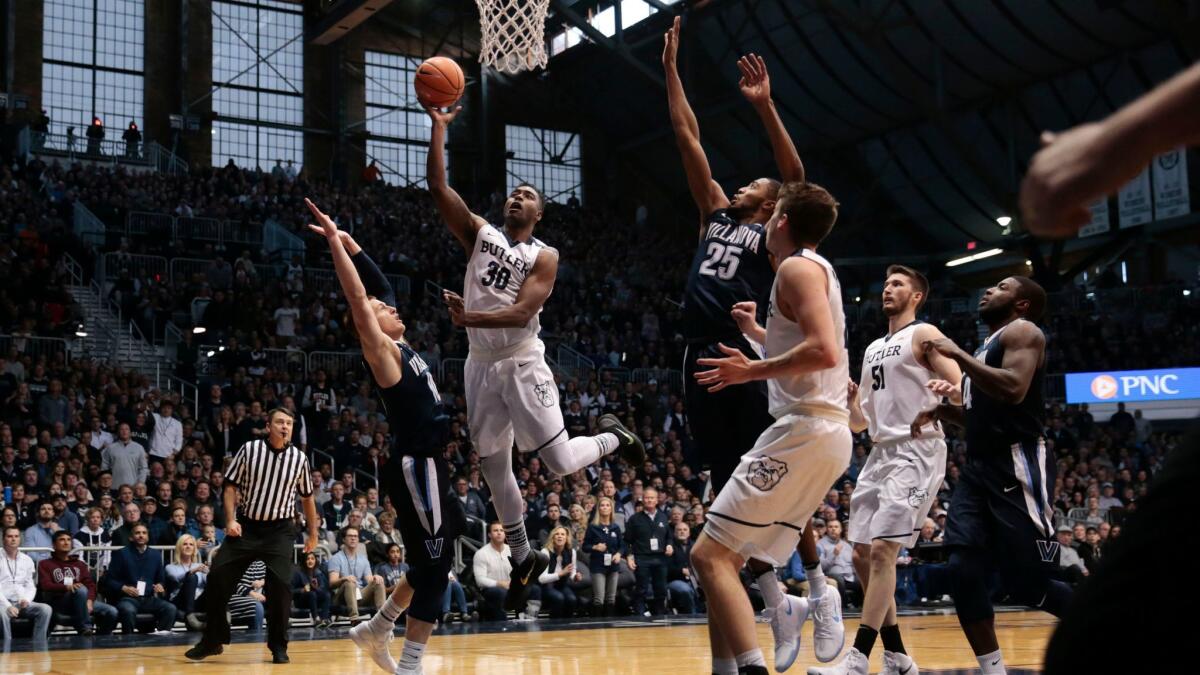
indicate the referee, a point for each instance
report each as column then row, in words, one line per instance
column 268, row 473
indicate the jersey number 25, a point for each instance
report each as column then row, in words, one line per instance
column 722, row 261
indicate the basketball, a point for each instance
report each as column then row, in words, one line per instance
column 439, row 82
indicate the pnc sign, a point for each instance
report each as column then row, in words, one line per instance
column 1134, row 385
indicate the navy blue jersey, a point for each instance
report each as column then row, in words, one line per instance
column 731, row 266
column 415, row 414
column 995, row 427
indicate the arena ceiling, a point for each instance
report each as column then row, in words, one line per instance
column 920, row 115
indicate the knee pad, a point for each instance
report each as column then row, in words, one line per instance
column 969, row 573
column 429, row 588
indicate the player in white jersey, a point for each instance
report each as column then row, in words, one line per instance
column 901, row 478
column 780, row 481
column 511, row 394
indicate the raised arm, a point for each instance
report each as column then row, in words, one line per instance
column 533, row 295
column 705, row 191
column 756, row 87
column 379, row 350
column 372, row 277
column 463, row 224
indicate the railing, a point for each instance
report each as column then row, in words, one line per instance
column 188, row 391
column 197, row 309
column 88, row 228
column 326, row 455
column 149, row 224
column 334, row 363
column 78, row 146
column 197, row 229
column 164, row 160
column 74, row 269
column 291, row 361
column 35, row 346
column 673, row 379
column 453, row 367
column 279, row 243
column 110, row 265
column 246, row 234
column 573, row 363
column 615, row 375
column 24, row 142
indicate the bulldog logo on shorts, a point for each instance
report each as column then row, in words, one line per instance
column 765, row 473
column 917, row 496
column 545, row 393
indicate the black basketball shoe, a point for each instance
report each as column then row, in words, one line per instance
column 631, row 448
column 523, row 576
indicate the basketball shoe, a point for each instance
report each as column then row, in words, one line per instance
column 895, row 663
column 786, row 621
column 829, row 635
column 631, row 448
column 523, row 575
column 854, row 664
column 375, row 645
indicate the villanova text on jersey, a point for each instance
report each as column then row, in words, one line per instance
column 731, row 265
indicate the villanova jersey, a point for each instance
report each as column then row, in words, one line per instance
column 993, row 426
column 892, row 389
column 820, row 393
column 731, row 266
column 495, row 273
column 413, row 406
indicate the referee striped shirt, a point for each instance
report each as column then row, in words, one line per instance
column 269, row 480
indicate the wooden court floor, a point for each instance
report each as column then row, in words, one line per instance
column 934, row 641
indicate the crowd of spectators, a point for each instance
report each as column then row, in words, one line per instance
column 98, row 452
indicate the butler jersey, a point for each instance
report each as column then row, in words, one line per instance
column 820, row 393
column 994, row 427
column 892, row 389
column 730, row 266
column 495, row 273
column 413, row 406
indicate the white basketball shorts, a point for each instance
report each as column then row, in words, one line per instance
column 895, row 490
column 777, row 486
column 512, row 397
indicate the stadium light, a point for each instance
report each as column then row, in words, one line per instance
column 199, row 330
column 974, row 256
column 209, row 353
column 1003, row 221
column 1187, row 292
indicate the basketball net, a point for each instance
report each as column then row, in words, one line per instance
column 514, row 34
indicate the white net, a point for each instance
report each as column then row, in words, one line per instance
column 513, row 33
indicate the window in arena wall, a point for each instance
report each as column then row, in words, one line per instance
column 258, row 80
column 398, row 129
column 545, row 158
column 92, row 64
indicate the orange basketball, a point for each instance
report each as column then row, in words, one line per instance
column 439, row 82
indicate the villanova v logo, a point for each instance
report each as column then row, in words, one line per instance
column 434, row 546
column 1048, row 549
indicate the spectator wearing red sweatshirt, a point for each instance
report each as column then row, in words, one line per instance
column 65, row 583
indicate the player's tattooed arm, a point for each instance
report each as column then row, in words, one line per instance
column 533, row 294
column 756, row 87
column 705, row 191
column 1024, row 349
column 463, row 224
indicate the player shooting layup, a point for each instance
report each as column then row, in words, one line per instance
column 510, row 390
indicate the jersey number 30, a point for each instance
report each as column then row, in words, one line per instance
column 722, row 261
column 496, row 276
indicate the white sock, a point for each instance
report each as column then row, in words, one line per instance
column 385, row 619
column 410, row 657
column 768, row 583
column 816, row 582
column 992, row 664
column 724, row 666
column 753, row 657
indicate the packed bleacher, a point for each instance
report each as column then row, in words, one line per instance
column 108, row 457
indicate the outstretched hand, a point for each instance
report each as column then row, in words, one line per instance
column 325, row 225
column 671, row 45
column 443, row 117
column 457, row 307
column 733, row 369
column 755, row 83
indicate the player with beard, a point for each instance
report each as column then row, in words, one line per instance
column 1001, row 517
column 724, row 306
column 902, row 475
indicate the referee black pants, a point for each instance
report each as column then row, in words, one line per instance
column 271, row 542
